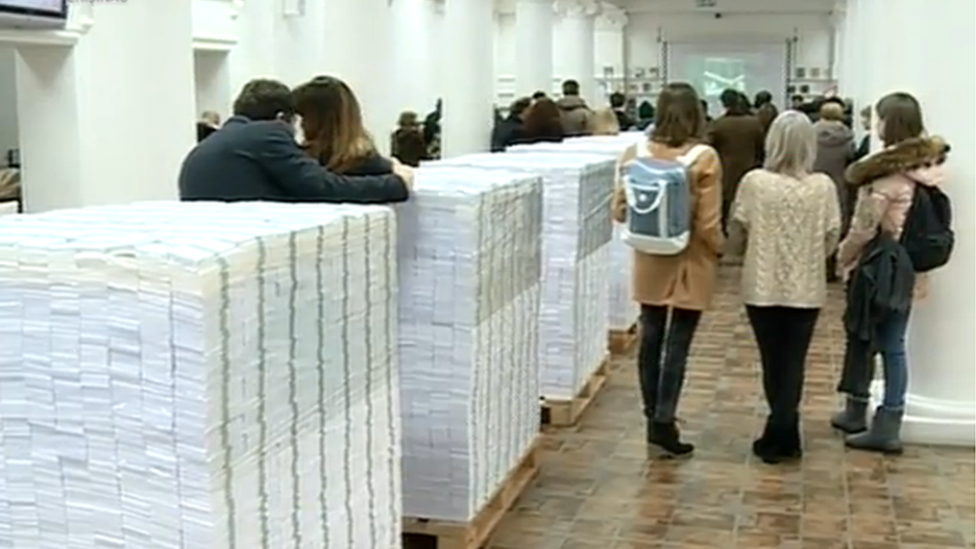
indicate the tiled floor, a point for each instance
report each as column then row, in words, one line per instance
column 599, row 490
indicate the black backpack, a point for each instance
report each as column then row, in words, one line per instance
column 927, row 235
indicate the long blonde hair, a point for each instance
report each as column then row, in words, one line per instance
column 604, row 122
column 791, row 145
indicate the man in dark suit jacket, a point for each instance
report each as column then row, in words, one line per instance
column 254, row 156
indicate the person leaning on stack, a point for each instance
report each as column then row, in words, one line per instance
column 255, row 156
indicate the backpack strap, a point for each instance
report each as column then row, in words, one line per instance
column 643, row 149
column 690, row 157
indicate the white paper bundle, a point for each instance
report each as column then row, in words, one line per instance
column 470, row 264
column 199, row 376
column 576, row 232
column 623, row 310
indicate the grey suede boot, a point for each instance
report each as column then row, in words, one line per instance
column 884, row 435
column 853, row 418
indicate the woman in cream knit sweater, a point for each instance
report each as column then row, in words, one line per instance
column 786, row 222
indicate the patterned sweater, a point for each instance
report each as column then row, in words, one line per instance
column 786, row 228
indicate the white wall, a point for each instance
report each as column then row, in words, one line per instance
column 8, row 102
column 110, row 118
column 414, row 49
column 211, row 77
column 609, row 50
column 813, row 31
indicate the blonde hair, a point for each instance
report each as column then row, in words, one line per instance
column 831, row 111
column 604, row 122
column 791, row 145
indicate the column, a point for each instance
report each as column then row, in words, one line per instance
column 467, row 79
column 357, row 38
column 610, row 50
column 577, row 45
column 910, row 57
column 533, row 46
column 413, row 62
column 110, row 118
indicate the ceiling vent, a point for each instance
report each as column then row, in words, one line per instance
column 706, row 3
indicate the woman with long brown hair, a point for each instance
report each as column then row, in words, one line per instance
column 332, row 122
column 674, row 290
column 542, row 123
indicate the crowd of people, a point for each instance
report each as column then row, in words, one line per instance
column 792, row 198
column 789, row 195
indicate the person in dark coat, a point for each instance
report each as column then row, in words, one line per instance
column 432, row 125
column 704, row 106
column 835, row 151
column 254, row 156
column 739, row 139
column 506, row 132
column 618, row 102
column 766, row 111
column 407, row 142
column 645, row 115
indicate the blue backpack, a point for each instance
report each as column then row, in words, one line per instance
column 659, row 202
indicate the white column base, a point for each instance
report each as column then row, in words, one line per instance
column 933, row 421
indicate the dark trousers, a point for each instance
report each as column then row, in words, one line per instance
column 783, row 335
column 661, row 377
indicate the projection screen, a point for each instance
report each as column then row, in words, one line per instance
column 711, row 67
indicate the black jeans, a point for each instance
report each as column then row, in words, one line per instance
column 661, row 380
column 783, row 335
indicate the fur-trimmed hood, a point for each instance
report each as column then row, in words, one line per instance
column 919, row 159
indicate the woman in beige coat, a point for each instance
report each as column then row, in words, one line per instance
column 682, row 284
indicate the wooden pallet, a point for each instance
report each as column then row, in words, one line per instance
column 475, row 533
column 566, row 412
column 620, row 342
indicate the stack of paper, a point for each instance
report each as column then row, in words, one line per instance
column 576, row 232
column 623, row 309
column 470, row 262
column 199, row 376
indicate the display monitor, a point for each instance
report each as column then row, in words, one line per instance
column 33, row 14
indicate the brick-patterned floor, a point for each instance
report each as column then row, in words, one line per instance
column 599, row 490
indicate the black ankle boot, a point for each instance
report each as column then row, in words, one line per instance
column 778, row 445
column 665, row 435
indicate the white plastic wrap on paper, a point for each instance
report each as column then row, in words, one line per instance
column 470, row 262
column 576, row 233
column 199, row 375
column 623, row 309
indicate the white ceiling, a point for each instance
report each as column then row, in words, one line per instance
column 728, row 6
column 720, row 6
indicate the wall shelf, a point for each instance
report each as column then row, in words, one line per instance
column 66, row 37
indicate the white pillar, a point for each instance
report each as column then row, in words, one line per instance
column 577, row 44
column 610, row 50
column 468, row 77
column 358, row 40
column 926, row 60
column 413, row 62
column 533, row 46
column 83, row 109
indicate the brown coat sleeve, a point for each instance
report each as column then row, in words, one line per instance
column 619, row 202
column 707, row 212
